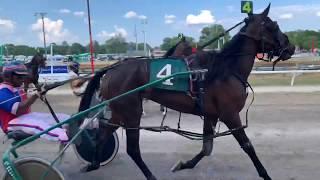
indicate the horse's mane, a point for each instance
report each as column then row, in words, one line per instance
column 171, row 50
column 223, row 64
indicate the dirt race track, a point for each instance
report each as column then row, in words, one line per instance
column 283, row 127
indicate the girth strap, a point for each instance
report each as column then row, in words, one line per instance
column 200, row 94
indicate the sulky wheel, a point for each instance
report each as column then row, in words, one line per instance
column 85, row 151
column 33, row 168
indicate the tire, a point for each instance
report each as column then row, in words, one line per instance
column 33, row 168
column 84, row 150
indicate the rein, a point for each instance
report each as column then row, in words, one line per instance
column 220, row 35
column 57, row 84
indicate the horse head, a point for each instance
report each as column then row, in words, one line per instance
column 38, row 60
column 259, row 35
column 268, row 34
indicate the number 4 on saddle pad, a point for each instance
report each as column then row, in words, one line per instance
column 160, row 68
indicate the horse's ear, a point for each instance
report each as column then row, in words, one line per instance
column 266, row 11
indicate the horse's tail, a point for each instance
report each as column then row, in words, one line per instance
column 93, row 85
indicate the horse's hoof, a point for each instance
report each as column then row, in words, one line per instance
column 90, row 167
column 177, row 166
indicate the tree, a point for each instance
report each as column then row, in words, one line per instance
column 116, row 44
column 170, row 42
column 132, row 46
column 211, row 32
column 96, row 47
column 64, row 48
column 77, row 48
column 304, row 39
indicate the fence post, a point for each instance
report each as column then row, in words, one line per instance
column 293, row 78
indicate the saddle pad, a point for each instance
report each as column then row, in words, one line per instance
column 160, row 68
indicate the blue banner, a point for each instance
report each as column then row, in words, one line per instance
column 56, row 69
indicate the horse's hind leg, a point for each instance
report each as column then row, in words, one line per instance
column 207, row 146
column 246, row 145
column 133, row 150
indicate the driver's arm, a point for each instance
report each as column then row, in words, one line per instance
column 24, row 105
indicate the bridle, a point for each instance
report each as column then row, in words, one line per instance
column 263, row 40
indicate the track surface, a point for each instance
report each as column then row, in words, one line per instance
column 283, row 127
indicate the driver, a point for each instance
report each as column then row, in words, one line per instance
column 15, row 104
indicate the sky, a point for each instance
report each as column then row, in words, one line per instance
column 66, row 20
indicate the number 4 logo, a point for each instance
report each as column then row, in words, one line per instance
column 164, row 72
column 247, row 7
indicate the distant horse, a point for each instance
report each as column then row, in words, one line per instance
column 225, row 91
column 38, row 61
column 182, row 49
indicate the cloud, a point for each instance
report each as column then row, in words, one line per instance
column 286, row 16
column 318, row 13
column 205, row 17
column 142, row 17
column 118, row 31
column 130, row 14
column 169, row 19
column 7, row 26
column 303, row 15
column 297, row 11
column 134, row 15
column 64, row 11
column 78, row 13
column 55, row 32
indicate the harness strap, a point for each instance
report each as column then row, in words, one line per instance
column 200, row 97
column 246, row 85
column 44, row 99
column 220, row 35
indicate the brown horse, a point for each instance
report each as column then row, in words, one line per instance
column 224, row 91
column 38, row 61
column 182, row 49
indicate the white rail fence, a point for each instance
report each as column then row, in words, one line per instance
column 49, row 78
column 294, row 73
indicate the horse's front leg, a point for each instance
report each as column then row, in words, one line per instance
column 133, row 150
column 207, row 146
column 246, row 145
